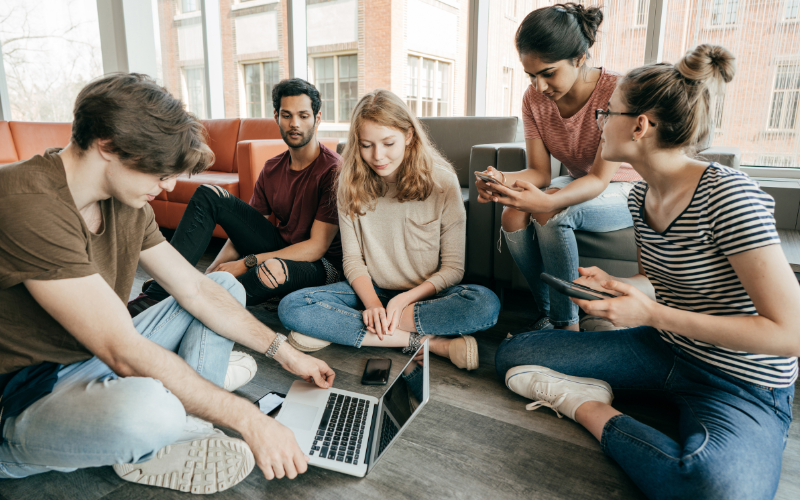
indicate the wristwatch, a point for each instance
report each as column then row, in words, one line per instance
column 275, row 345
column 251, row 261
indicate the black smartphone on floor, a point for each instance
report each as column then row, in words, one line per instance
column 376, row 372
column 573, row 289
column 270, row 402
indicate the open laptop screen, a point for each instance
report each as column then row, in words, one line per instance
column 401, row 402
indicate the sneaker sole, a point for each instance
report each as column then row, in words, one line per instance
column 201, row 467
column 304, row 343
column 520, row 370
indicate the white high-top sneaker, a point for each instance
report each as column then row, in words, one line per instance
column 562, row 393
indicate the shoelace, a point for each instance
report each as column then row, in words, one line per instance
column 543, row 402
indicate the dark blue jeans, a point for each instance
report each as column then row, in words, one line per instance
column 732, row 433
column 333, row 312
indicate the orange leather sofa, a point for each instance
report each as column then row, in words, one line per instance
column 23, row 140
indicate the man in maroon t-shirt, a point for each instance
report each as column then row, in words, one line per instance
column 297, row 186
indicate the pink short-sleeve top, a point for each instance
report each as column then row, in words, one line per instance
column 573, row 141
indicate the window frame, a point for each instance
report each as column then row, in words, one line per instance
column 265, row 98
column 773, row 93
column 185, row 89
column 784, row 9
column 724, row 24
column 450, row 87
column 644, row 15
column 312, row 77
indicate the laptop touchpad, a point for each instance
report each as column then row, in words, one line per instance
column 298, row 416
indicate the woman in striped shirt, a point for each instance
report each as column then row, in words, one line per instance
column 558, row 115
column 721, row 336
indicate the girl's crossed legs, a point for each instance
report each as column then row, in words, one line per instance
column 333, row 313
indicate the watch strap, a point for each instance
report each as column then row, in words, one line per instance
column 275, row 345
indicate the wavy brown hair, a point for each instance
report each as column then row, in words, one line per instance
column 358, row 186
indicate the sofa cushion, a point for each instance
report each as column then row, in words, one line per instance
column 615, row 245
column 255, row 128
column 222, row 138
column 33, row 138
column 186, row 186
column 8, row 153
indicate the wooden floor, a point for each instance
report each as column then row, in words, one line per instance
column 473, row 440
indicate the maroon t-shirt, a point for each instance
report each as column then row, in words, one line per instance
column 299, row 198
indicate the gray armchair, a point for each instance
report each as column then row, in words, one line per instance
column 488, row 258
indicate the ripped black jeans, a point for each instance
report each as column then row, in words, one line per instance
column 251, row 233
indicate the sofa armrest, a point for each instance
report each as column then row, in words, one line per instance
column 724, row 155
column 253, row 155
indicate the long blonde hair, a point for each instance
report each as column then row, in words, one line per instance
column 358, row 186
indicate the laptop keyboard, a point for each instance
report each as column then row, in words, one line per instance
column 388, row 432
column 341, row 430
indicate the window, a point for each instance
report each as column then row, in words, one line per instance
column 719, row 105
column 642, row 8
column 760, row 115
column 785, row 96
column 792, row 7
column 508, row 79
column 336, row 78
column 259, row 78
column 348, row 86
column 51, row 49
column 195, row 82
column 190, row 6
column 724, row 12
column 428, row 89
column 511, row 8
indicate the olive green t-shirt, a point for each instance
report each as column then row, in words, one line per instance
column 44, row 237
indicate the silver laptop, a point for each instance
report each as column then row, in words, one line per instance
column 349, row 432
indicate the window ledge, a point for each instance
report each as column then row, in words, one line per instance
column 722, row 27
column 188, row 15
column 252, row 3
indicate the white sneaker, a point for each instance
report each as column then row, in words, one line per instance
column 241, row 370
column 562, row 393
column 209, row 464
column 305, row 343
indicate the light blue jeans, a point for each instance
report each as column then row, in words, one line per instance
column 732, row 433
column 333, row 312
column 552, row 248
column 94, row 418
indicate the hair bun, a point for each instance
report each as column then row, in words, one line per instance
column 711, row 64
column 588, row 19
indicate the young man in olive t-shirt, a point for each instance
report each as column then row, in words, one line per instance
column 84, row 386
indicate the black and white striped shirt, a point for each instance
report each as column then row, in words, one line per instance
column 689, row 268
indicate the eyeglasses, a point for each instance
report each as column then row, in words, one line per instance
column 602, row 115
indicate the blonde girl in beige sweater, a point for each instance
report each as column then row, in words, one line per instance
column 403, row 236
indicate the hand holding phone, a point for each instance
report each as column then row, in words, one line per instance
column 490, row 180
column 376, row 372
column 571, row 289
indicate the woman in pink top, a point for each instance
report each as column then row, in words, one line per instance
column 558, row 108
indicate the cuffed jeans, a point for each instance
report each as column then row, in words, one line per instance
column 334, row 312
column 552, row 248
column 733, row 433
column 94, row 418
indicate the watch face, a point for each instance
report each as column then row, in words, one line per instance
column 250, row 260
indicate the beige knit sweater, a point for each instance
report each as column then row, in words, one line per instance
column 401, row 245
